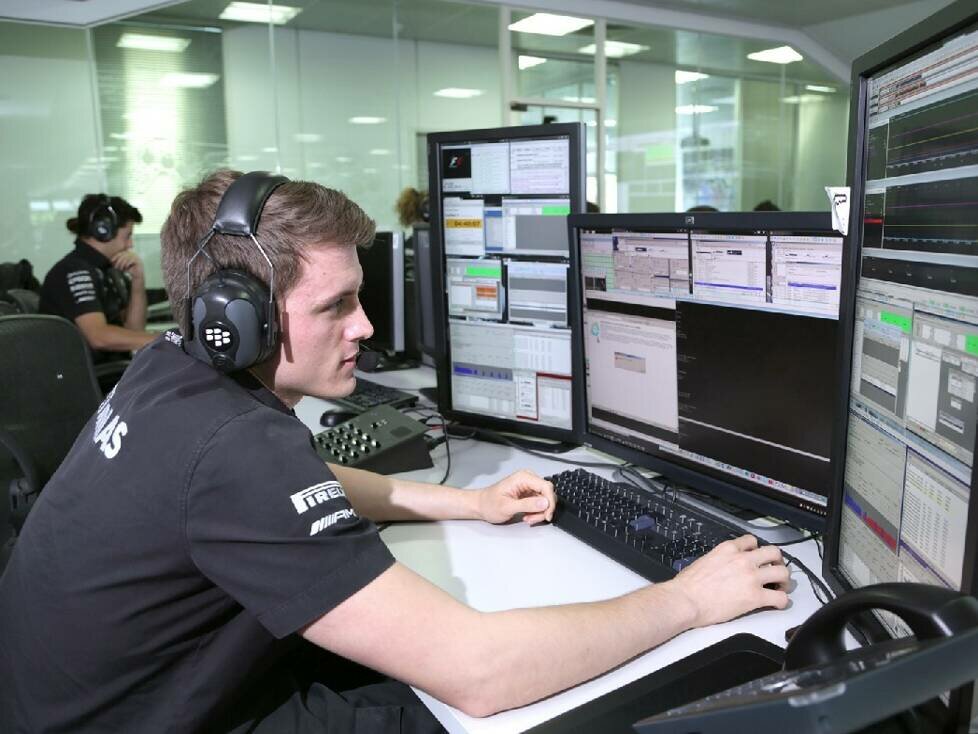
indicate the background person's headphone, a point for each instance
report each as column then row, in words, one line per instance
column 232, row 314
column 103, row 222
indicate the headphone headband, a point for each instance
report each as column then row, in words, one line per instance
column 231, row 305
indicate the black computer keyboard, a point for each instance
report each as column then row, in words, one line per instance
column 369, row 394
column 654, row 536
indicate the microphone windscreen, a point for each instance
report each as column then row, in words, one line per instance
column 368, row 361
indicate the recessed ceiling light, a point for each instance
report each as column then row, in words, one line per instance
column 370, row 171
column 820, row 88
column 259, row 13
column 682, row 77
column 270, row 149
column 188, row 80
column 528, row 62
column 343, row 159
column 611, row 123
column 367, row 120
column 548, row 24
column 148, row 42
column 585, row 100
column 458, row 93
column 379, row 151
column 614, row 49
column 307, row 137
column 695, row 109
column 779, row 55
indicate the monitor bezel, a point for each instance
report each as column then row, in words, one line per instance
column 740, row 494
column 575, row 133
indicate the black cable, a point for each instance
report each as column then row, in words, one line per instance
column 821, row 593
column 797, row 541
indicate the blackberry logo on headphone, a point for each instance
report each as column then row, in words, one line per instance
column 103, row 222
column 232, row 314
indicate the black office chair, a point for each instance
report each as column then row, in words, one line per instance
column 49, row 393
column 26, row 301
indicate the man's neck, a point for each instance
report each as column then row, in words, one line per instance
column 288, row 399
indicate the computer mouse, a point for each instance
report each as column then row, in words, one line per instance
column 334, row 417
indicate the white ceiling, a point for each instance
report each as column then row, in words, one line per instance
column 75, row 12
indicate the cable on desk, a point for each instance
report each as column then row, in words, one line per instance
column 444, row 438
column 822, row 592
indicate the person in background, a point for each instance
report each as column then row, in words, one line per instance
column 767, row 206
column 412, row 207
column 703, row 208
column 100, row 285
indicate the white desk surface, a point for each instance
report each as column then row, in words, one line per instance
column 503, row 567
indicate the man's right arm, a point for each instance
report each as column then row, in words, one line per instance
column 103, row 336
column 482, row 663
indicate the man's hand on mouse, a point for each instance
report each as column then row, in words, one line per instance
column 523, row 493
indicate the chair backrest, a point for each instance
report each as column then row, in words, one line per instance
column 49, row 390
column 25, row 300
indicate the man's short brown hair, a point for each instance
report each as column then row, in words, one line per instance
column 298, row 215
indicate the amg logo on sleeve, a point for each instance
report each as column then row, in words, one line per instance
column 324, row 522
column 315, row 495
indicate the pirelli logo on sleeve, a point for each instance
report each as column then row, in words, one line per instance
column 317, row 494
column 82, row 286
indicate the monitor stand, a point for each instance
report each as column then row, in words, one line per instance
column 738, row 517
column 745, row 520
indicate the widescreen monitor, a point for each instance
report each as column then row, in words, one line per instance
column 710, row 350
column 499, row 205
column 911, row 326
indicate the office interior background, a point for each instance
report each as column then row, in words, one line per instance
column 343, row 92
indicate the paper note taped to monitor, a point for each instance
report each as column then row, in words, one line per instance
column 839, row 199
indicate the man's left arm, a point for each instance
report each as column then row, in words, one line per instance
column 389, row 499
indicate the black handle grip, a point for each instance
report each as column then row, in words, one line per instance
column 930, row 611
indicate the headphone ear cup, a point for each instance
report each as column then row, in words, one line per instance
column 233, row 326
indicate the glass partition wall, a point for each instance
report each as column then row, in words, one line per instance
column 343, row 92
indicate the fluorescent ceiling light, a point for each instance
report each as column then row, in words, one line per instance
column 611, row 123
column 779, row 55
column 121, row 136
column 369, row 171
column 528, row 62
column 259, row 13
column 307, row 137
column 548, row 24
column 585, row 100
column 187, row 80
column 367, row 120
column 40, row 206
column 245, row 157
column 343, row 159
column 271, row 149
column 820, row 88
column 379, row 151
column 153, row 43
column 799, row 98
column 458, row 93
column 695, row 109
column 614, row 49
column 63, row 206
column 682, row 77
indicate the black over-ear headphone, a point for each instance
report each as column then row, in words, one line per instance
column 103, row 222
column 232, row 315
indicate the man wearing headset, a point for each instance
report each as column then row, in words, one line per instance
column 84, row 286
column 193, row 560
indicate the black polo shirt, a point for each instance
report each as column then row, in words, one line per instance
column 79, row 283
column 190, row 532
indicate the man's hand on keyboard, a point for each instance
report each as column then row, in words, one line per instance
column 730, row 580
column 523, row 493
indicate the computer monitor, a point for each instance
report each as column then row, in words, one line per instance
column 710, row 348
column 910, row 328
column 382, row 295
column 499, row 205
